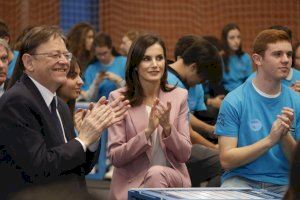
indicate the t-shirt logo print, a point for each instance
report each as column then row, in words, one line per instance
column 255, row 124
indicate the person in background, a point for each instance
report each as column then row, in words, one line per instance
column 127, row 40
column 192, row 55
column 258, row 123
column 150, row 146
column 107, row 73
column 4, row 51
column 100, row 78
column 13, row 55
column 214, row 92
column 294, row 77
column 69, row 91
column 296, row 56
column 79, row 42
column 237, row 63
column 38, row 146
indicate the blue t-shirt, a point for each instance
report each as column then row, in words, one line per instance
column 195, row 94
column 288, row 81
column 239, row 70
column 106, row 86
column 12, row 64
column 248, row 116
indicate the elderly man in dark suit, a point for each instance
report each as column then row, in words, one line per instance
column 38, row 147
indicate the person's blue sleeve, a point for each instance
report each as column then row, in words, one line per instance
column 123, row 65
column 198, row 95
column 228, row 120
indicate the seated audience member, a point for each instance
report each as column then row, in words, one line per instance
column 257, row 127
column 107, row 73
column 296, row 56
column 80, row 41
column 293, row 78
column 17, row 46
column 214, row 92
column 150, row 146
column 204, row 161
column 293, row 192
column 237, row 63
column 70, row 90
column 127, row 40
column 102, row 77
column 4, row 51
column 38, row 146
column 12, row 55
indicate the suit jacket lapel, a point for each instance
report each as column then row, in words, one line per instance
column 42, row 104
column 139, row 119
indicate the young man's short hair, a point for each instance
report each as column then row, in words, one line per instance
column 269, row 36
column 206, row 57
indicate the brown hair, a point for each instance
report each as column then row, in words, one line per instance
column 227, row 50
column 132, row 35
column 135, row 93
column 266, row 37
column 31, row 41
column 76, row 39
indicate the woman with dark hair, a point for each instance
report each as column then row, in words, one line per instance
column 70, row 90
column 79, row 42
column 150, row 146
column 237, row 63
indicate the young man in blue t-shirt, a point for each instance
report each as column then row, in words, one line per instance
column 196, row 62
column 256, row 125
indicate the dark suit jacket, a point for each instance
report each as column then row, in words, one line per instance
column 31, row 151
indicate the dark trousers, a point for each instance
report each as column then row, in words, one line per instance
column 204, row 165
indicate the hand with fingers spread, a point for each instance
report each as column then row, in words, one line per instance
column 80, row 113
column 163, row 115
column 119, row 107
column 153, row 120
column 94, row 122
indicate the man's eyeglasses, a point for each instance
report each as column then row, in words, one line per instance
column 4, row 59
column 56, row 55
